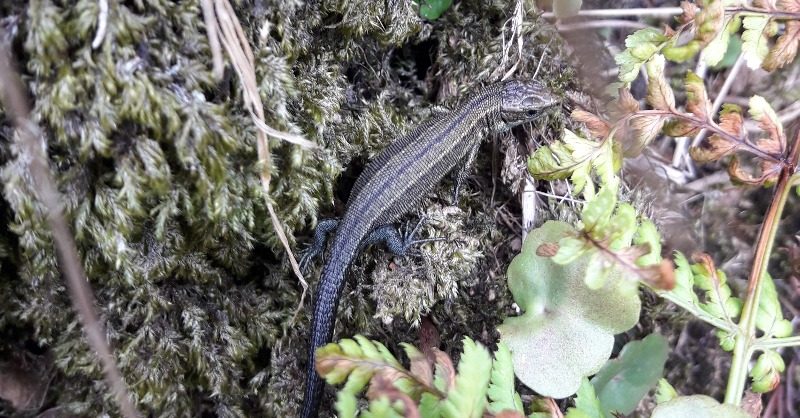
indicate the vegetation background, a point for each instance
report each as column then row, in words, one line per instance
column 157, row 163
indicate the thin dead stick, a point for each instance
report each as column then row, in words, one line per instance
column 102, row 23
column 80, row 292
column 601, row 24
column 516, row 27
column 616, row 13
column 213, row 40
column 229, row 31
column 723, row 92
column 528, row 201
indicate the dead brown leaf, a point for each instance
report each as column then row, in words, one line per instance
column 445, row 368
column 678, row 128
column 689, row 12
column 549, row 249
column 382, row 386
column 598, row 127
column 646, row 128
column 785, row 48
column 717, row 148
column 697, row 101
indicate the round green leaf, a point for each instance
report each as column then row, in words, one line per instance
column 566, row 8
column 432, row 9
column 697, row 406
column 624, row 381
column 567, row 331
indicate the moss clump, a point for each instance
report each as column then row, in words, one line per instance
column 156, row 162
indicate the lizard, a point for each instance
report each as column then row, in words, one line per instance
column 397, row 179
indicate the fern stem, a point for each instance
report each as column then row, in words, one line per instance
column 745, row 340
column 697, row 312
column 777, row 343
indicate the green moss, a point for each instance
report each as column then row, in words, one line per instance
column 156, row 162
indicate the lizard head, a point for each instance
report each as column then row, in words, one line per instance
column 524, row 101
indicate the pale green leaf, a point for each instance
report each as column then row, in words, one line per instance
column 755, row 44
column 501, row 387
column 684, row 281
column 566, row 8
column 587, row 403
column 346, row 404
column 566, row 332
column 570, row 249
column 683, row 52
column 597, row 211
column 697, row 406
column 597, row 271
column 620, row 228
column 581, row 179
column 383, row 408
column 647, row 233
column 574, row 157
column 769, row 317
column 665, row 391
column 468, row 398
column 720, row 302
column 716, row 50
column 727, row 339
column 641, row 45
column 624, row 381
column 430, row 406
column 607, row 162
column 659, row 93
column 629, row 66
column 557, row 161
column 766, row 371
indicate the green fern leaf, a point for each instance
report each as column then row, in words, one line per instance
column 755, row 39
column 501, row 389
column 576, row 158
column 468, row 399
column 354, row 361
column 587, row 404
column 769, row 317
column 346, row 404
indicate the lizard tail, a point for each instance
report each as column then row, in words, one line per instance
column 325, row 305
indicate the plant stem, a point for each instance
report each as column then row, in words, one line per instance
column 777, row 343
column 747, row 11
column 697, row 312
column 745, row 340
column 709, row 125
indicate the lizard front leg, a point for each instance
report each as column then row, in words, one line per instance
column 463, row 171
column 396, row 242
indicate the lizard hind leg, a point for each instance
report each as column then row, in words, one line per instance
column 397, row 242
column 317, row 246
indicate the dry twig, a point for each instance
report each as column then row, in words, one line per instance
column 102, row 23
column 223, row 27
column 32, row 154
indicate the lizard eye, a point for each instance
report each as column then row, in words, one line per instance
column 531, row 112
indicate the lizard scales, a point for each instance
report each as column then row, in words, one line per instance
column 398, row 178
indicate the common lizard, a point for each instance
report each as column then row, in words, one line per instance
column 396, row 180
